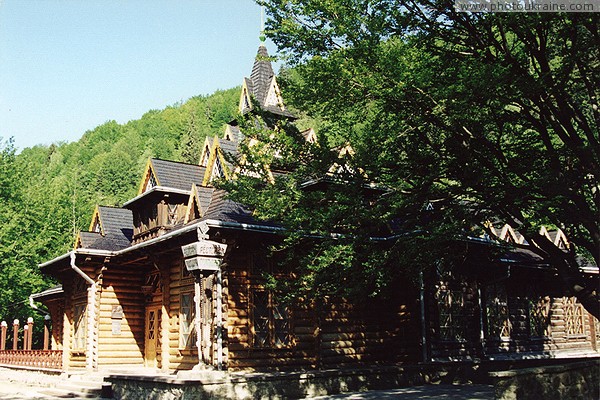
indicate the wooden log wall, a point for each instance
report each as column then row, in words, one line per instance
column 521, row 295
column 564, row 341
column 121, row 287
column 179, row 359
column 56, row 308
column 338, row 334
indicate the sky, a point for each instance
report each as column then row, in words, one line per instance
column 67, row 66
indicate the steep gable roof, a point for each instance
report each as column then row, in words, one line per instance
column 198, row 202
column 262, row 74
column 171, row 174
column 262, row 85
column 115, row 233
column 218, row 161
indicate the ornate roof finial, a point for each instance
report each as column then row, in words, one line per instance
column 262, row 36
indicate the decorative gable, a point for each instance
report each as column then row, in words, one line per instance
column 149, row 179
column 205, row 156
column 96, row 224
column 216, row 165
column 309, row 135
column 194, row 208
column 508, row 234
column 245, row 104
column 273, row 97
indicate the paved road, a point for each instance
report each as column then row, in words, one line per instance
column 427, row 392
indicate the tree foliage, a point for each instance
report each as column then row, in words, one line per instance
column 48, row 193
column 490, row 117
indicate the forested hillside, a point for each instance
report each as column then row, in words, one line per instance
column 48, row 193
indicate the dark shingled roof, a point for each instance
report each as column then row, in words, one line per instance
column 226, row 210
column 177, row 175
column 237, row 135
column 117, row 225
column 205, row 195
column 229, row 149
column 259, row 82
column 115, row 220
column 262, row 74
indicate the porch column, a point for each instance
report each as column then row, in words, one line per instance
column 4, row 326
column 30, row 334
column 46, row 331
column 198, row 288
column 203, row 258
column 15, row 334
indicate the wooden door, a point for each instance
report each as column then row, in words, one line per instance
column 151, row 335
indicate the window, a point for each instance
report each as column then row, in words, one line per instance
column 152, row 325
column 452, row 313
column 539, row 316
column 79, row 326
column 185, row 274
column 150, row 183
column 96, row 227
column 217, row 171
column 187, row 314
column 270, row 320
column 573, row 311
column 499, row 325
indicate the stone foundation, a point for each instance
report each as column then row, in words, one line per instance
column 575, row 381
column 524, row 380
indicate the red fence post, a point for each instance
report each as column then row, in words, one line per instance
column 30, row 334
column 15, row 334
column 46, row 331
column 4, row 326
column 25, row 336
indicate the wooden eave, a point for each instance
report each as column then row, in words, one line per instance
column 154, row 195
column 58, row 266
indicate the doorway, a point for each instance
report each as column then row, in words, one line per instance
column 152, row 330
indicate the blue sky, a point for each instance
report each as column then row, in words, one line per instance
column 67, row 66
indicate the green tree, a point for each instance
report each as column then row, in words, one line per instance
column 490, row 117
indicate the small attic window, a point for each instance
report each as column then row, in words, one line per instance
column 96, row 227
column 150, row 183
column 205, row 157
column 246, row 104
column 217, row 171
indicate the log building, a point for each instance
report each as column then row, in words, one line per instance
column 173, row 280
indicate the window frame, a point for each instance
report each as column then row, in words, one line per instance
column 574, row 315
column 277, row 321
column 278, row 318
column 79, row 327
column 187, row 337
